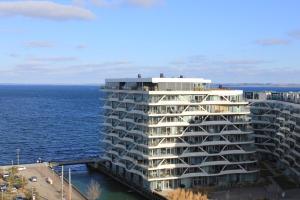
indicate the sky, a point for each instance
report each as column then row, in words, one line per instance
column 86, row 41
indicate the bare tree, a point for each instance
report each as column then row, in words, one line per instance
column 93, row 190
column 184, row 194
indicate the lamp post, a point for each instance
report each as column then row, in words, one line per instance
column 62, row 182
column 12, row 166
column 18, row 156
column 70, row 185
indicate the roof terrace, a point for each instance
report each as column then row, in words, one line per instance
column 158, row 84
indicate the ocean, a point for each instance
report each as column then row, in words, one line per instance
column 48, row 122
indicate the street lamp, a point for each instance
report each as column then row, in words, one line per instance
column 18, row 156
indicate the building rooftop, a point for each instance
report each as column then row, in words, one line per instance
column 160, row 80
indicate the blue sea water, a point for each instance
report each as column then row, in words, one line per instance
column 50, row 122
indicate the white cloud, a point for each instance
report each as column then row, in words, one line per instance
column 14, row 55
column 46, row 65
column 12, row 30
column 45, row 10
column 244, row 62
column 39, row 44
column 272, row 42
column 202, row 60
column 111, row 66
column 144, row 3
column 53, row 59
column 81, row 46
column 295, row 34
column 118, row 3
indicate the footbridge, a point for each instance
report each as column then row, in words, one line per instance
column 88, row 160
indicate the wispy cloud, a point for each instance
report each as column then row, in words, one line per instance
column 11, row 30
column 202, row 60
column 39, row 44
column 119, row 3
column 45, row 10
column 194, row 59
column 294, row 34
column 244, row 62
column 46, row 65
column 272, row 42
column 144, row 3
column 53, row 59
column 80, row 46
column 231, row 70
column 13, row 55
column 110, row 66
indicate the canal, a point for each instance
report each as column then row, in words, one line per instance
column 110, row 189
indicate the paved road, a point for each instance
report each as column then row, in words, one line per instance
column 45, row 190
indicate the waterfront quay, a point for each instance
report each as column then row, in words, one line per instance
column 50, row 190
column 146, row 194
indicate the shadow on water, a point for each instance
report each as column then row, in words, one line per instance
column 110, row 189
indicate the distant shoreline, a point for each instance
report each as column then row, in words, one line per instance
column 33, row 84
column 260, row 85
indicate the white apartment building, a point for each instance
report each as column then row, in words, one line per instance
column 276, row 123
column 164, row 133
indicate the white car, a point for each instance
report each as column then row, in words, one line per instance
column 21, row 168
column 5, row 175
column 33, row 179
column 14, row 190
column 49, row 180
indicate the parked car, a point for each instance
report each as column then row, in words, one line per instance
column 49, row 180
column 3, row 187
column 18, row 186
column 21, row 168
column 39, row 160
column 14, row 190
column 5, row 175
column 33, row 179
column 19, row 198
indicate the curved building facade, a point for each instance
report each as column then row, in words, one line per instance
column 164, row 133
column 276, row 124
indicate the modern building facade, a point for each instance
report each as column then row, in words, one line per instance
column 276, row 123
column 164, row 133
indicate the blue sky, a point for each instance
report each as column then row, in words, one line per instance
column 86, row 41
